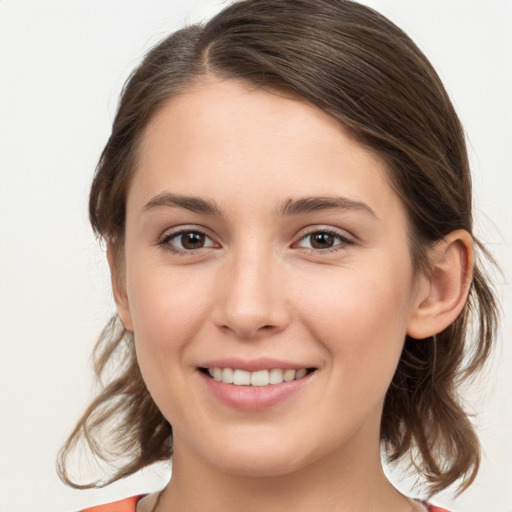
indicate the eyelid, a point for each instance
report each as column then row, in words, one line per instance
column 168, row 235
column 346, row 239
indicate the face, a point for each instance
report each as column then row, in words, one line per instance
column 267, row 279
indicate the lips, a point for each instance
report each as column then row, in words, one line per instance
column 254, row 385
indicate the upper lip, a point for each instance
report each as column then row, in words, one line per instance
column 253, row 365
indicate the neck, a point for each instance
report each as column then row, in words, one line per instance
column 344, row 482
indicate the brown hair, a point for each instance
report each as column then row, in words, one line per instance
column 359, row 67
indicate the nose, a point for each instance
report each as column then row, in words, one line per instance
column 251, row 298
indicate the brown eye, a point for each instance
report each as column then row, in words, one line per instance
column 322, row 240
column 187, row 241
column 192, row 240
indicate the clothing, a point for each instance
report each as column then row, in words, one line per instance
column 126, row 505
column 129, row 505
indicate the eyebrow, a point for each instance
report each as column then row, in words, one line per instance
column 194, row 204
column 312, row 204
column 289, row 207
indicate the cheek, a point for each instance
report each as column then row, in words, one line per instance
column 163, row 303
column 168, row 310
column 361, row 320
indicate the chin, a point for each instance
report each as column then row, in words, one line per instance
column 260, row 459
column 262, row 467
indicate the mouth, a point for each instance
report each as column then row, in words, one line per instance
column 259, row 378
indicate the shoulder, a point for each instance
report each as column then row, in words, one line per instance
column 126, row 505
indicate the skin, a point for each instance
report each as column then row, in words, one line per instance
column 260, row 287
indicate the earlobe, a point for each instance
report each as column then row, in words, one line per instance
column 443, row 293
column 118, row 282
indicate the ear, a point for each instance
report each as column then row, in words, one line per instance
column 443, row 293
column 118, row 280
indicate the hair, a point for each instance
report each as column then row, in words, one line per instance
column 356, row 65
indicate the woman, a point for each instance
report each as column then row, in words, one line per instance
column 286, row 203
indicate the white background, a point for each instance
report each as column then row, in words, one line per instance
column 62, row 64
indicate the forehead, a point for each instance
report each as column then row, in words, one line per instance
column 225, row 133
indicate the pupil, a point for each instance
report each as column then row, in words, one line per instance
column 192, row 240
column 322, row 240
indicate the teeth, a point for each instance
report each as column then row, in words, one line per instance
column 217, row 374
column 258, row 378
column 227, row 375
column 300, row 373
column 241, row 378
column 288, row 375
column 275, row 376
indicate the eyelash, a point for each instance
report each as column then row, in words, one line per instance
column 343, row 241
column 165, row 241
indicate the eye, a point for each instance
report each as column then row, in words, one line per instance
column 186, row 240
column 324, row 239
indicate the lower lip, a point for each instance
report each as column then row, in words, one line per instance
column 254, row 398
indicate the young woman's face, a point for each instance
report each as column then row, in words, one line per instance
column 264, row 244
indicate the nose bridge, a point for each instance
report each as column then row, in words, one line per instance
column 251, row 302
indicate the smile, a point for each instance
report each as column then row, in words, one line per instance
column 258, row 378
column 252, row 385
